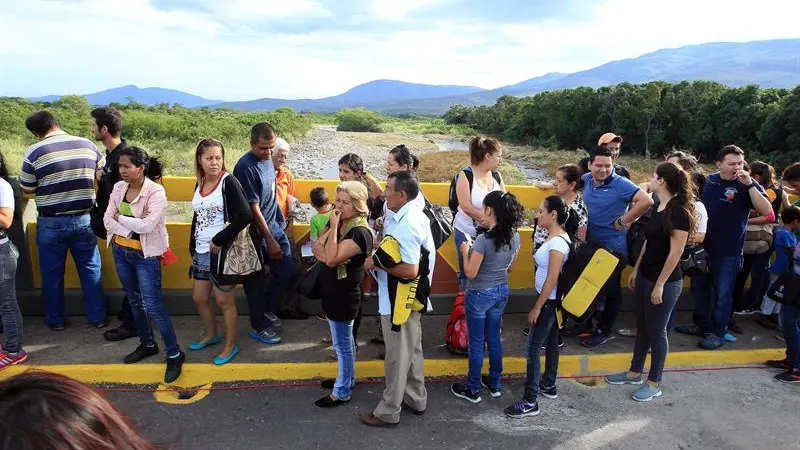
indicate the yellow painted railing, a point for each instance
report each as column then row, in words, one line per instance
column 182, row 189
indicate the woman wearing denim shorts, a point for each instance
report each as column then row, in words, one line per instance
column 218, row 199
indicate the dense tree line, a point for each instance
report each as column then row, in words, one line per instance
column 653, row 118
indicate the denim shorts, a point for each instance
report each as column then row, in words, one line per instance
column 201, row 267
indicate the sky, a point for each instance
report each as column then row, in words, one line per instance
column 248, row 49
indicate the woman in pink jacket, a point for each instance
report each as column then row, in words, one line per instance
column 135, row 223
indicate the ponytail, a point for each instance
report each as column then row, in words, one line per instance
column 509, row 213
column 566, row 219
column 680, row 184
column 153, row 168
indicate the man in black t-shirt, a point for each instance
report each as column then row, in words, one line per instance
column 614, row 143
column 107, row 128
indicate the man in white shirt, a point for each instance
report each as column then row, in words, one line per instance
column 404, row 263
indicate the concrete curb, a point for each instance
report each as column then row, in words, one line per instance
column 196, row 374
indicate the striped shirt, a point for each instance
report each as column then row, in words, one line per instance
column 60, row 170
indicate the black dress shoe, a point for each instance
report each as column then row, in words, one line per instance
column 141, row 352
column 328, row 383
column 328, row 402
column 119, row 334
column 174, row 368
column 413, row 411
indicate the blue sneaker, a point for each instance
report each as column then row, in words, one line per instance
column 729, row 338
column 646, row 393
column 711, row 342
column 199, row 346
column 622, row 378
column 523, row 408
column 218, row 361
column 268, row 337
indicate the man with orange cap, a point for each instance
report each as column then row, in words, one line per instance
column 612, row 142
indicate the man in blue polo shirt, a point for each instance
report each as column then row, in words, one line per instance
column 614, row 203
column 60, row 170
column 256, row 174
column 728, row 195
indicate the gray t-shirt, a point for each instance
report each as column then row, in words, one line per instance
column 494, row 267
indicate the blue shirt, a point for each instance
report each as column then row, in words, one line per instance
column 60, row 170
column 258, row 183
column 728, row 204
column 606, row 203
column 785, row 244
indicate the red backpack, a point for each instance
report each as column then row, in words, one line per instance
column 455, row 336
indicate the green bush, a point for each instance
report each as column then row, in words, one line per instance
column 169, row 132
column 358, row 119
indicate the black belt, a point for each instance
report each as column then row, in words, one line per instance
column 66, row 214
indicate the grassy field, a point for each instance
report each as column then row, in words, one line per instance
column 442, row 166
column 415, row 142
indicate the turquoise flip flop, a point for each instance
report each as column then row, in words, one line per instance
column 220, row 361
column 197, row 346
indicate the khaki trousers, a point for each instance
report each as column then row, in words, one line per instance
column 405, row 375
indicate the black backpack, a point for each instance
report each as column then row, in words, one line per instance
column 452, row 201
column 441, row 229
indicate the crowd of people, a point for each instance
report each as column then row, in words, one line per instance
column 364, row 235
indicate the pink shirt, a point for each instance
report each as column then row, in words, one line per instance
column 148, row 209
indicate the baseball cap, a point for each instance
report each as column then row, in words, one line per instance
column 607, row 138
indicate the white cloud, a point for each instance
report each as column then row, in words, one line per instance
column 398, row 10
column 252, row 10
column 85, row 46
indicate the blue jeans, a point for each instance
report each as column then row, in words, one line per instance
column 545, row 332
column 9, row 306
column 789, row 318
column 141, row 281
column 462, row 277
column 345, row 346
column 713, row 294
column 484, row 313
column 54, row 237
column 267, row 297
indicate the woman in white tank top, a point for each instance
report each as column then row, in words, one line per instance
column 485, row 155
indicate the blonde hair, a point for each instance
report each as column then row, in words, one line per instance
column 358, row 195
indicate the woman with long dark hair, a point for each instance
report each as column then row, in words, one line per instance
column 137, row 231
column 11, row 353
column 218, row 197
column 47, row 411
column 487, row 263
column 657, row 278
column 568, row 185
column 554, row 216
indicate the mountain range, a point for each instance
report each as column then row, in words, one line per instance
column 773, row 63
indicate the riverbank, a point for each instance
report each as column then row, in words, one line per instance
column 317, row 154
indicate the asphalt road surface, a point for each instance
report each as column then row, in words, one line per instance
column 729, row 409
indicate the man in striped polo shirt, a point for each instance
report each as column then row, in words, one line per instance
column 60, row 170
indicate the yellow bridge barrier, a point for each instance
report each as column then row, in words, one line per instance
column 181, row 189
